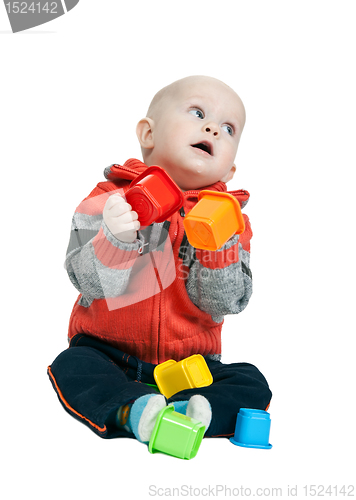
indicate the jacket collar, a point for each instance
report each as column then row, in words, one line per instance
column 132, row 168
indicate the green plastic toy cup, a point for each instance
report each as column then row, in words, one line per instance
column 176, row 434
column 153, row 385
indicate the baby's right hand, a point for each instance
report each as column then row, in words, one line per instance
column 120, row 219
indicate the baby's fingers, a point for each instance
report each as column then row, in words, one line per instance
column 113, row 200
column 118, row 208
column 128, row 232
column 127, row 217
column 131, row 226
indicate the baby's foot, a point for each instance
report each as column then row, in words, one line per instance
column 142, row 415
column 198, row 407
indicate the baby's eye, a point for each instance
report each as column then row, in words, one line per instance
column 197, row 112
column 228, row 129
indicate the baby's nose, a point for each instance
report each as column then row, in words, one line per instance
column 212, row 128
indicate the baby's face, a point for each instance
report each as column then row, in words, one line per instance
column 197, row 132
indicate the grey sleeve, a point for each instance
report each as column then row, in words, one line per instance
column 221, row 290
column 93, row 278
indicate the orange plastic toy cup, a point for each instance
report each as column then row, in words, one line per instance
column 154, row 196
column 214, row 219
column 172, row 376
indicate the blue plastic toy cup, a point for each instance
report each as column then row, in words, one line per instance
column 252, row 429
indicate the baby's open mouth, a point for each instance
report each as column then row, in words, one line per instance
column 204, row 146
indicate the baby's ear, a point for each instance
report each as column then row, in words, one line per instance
column 144, row 131
column 227, row 177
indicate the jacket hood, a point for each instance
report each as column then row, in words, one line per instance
column 132, row 168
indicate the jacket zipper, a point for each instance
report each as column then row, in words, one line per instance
column 182, row 211
column 125, row 168
column 182, row 214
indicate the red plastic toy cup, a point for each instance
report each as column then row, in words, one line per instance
column 154, row 196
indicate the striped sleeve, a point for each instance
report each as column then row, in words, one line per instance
column 98, row 264
column 220, row 282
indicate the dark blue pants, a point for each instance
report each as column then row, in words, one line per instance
column 93, row 379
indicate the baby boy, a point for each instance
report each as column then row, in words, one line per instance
column 146, row 295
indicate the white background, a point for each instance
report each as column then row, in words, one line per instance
column 72, row 92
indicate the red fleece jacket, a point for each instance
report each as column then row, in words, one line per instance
column 159, row 326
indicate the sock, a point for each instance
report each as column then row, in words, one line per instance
column 140, row 417
column 198, row 407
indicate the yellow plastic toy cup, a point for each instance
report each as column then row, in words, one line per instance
column 172, row 376
column 214, row 219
